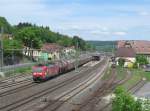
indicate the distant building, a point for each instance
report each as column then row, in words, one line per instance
column 141, row 47
column 68, row 51
column 126, row 53
column 49, row 51
column 7, row 36
column 129, row 49
column 53, row 50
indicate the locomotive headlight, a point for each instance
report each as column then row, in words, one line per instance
column 34, row 73
column 38, row 74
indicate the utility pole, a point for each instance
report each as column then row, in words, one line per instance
column 31, row 52
column 1, row 48
column 13, row 58
column 76, row 63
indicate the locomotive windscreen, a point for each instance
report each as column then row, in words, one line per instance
column 39, row 65
column 37, row 70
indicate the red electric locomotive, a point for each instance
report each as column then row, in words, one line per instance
column 39, row 72
column 44, row 71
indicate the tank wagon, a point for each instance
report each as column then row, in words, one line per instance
column 42, row 72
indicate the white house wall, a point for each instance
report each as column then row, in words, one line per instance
column 131, row 59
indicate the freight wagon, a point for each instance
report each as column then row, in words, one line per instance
column 42, row 72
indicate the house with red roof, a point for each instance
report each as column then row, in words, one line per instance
column 49, row 51
column 129, row 49
column 126, row 53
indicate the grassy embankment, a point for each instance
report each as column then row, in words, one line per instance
column 107, row 74
column 18, row 71
column 120, row 72
column 136, row 75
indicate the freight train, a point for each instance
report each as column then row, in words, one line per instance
column 42, row 72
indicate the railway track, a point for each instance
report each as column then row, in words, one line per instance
column 61, row 100
column 16, row 104
column 29, row 84
column 95, row 98
column 12, row 78
column 137, row 86
column 14, row 90
column 108, row 86
column 13, row 81
column 11, row 84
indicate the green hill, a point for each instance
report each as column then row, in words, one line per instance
column 104, row 46
column 6, row 26
column 26, row 32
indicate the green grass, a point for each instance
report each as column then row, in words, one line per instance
column 107, row 74
column 147, row 75
column 142, row 73
column 121, row 73
column 135, row 77
column 18, row 71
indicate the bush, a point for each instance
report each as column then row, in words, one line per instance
column 121, row 62
column 125, row 102
column 141, row 59
column 135, row 65
column 130, row 65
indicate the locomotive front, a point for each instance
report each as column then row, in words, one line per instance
column 39, row 72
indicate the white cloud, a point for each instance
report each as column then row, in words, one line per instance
column 119, row 33
column 108, row 33
column 78, row 19
column 35, row 11
column 144, row 13
column 98, row 32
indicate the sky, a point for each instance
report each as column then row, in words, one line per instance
column 89, row 19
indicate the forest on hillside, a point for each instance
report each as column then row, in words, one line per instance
column 25, row 33
column 104, row 46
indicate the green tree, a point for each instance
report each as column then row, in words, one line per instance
column 141, row 59
column 10, row 45
column 6, row 26
column 30, row 36
column 81, row 43
column 135, row 65
column 125, row 102
column 34, row 36
column 65, row 41
column 121, row 62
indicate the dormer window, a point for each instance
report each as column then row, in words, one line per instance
column 127, row 44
